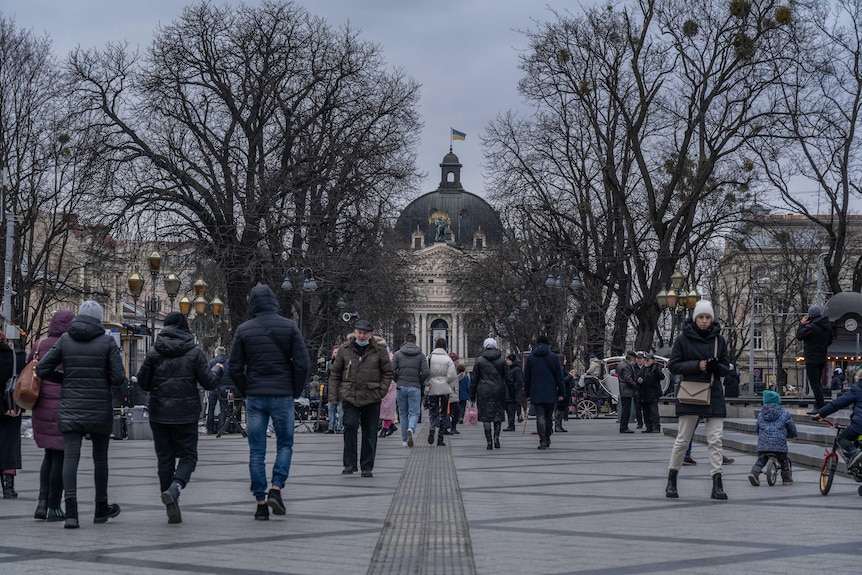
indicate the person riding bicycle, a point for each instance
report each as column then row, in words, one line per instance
column 774, row 426
column 847, row 438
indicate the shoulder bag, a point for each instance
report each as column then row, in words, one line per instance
column 287, row 357
column 29, row 384
column 696, row 392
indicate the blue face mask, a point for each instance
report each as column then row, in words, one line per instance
column 362, row 343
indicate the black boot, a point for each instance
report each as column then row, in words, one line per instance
column 497, row 438
column 717, row 489
column 171, row 499
column 104, row 511
column 488, row 438
column 41, row 510
column 71, row 513
column 9, row 486
column 55, row 514
column 670, row 490
column 440, row 438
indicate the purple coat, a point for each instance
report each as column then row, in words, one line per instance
column 45, row 429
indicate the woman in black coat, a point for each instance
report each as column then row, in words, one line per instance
column 92, row 367
column 171, row 372
column 491, row 385
column 10, row 421
column 700, row 354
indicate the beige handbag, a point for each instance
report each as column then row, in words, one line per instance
column 696, row 392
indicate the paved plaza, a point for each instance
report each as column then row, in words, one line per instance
column 594, row 503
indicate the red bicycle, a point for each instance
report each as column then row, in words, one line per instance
column 830, row 461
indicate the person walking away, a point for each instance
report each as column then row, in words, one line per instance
column 628, row 387
column 513, row 407
column 411, row 371
column 463, row 390
column 543, row 387
column 171, row 372
column 491, row 384
column 774, row 425
column 360, row 377
column 212, row 423
column 45, row 430
column 848, row 435
column 10, row 420
column 269, row 365
column 442, row 382
column 455, row 412
column 561, row 413
column 731, row 382
column 92, row 368
column 699, row 353
column 815, row 333
column 650, row 392
column 837, row 383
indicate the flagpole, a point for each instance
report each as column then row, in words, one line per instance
column 450, row 138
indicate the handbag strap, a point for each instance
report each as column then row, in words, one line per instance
column 277, row 342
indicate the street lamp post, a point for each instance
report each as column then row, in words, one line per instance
column 566, row 278
column 203, row 327
column 153, row 305
column 676, row 298
column 307, row 283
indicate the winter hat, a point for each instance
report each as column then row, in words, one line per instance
column 363, row 325
column 814, row 311
column 92, row 309
column 220, row 350
column 703, row 307
column 542, row 339
column 489, row 343
column 177, row 319
column 771, row 397
column 838, row 370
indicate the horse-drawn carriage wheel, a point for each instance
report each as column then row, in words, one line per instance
column 587, row 409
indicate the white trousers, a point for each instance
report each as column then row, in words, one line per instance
column 685, row 431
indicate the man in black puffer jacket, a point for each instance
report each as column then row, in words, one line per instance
column 269, row 365
column 815, row 332
column 171, row 371
column 92, row 366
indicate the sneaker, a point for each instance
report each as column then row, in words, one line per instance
column 348, row 471
column 329, row 432
column 727, row 460
column 431, row 436
column 273, row 499
column 262, row 513
column 409, row 438
column 367, row 473
column 854, row 460
column 689, row 461
column 754, row 479
column 405, row 444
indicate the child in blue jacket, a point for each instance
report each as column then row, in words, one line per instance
column 774, row 426
column 847, row 437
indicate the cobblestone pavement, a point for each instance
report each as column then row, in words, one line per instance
column 593, row 503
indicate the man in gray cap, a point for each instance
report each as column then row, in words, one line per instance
column 359, row 379
column 628, row 389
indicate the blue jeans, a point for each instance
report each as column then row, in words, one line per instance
column 409, row 406
column 258, row 411
column 335, row 415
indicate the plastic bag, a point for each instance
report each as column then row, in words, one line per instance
column 472, row 417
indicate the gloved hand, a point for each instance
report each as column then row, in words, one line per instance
column 712, row 365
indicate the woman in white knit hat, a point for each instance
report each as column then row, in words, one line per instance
column 700, row 355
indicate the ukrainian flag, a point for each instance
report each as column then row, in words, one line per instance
column 456, row 135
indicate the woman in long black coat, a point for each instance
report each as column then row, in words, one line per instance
column 10, row 421
column 491, row 385
column 700, row 354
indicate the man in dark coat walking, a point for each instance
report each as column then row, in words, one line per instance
column 543, row 386
column 269, row 366
column 171, row 372
column 513, row 407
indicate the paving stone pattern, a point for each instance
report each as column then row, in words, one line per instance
column 593, row 503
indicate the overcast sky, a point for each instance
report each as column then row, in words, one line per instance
column 464, row 53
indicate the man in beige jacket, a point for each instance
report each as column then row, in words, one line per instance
column 359, row 379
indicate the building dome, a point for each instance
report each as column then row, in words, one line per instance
column 449, row 214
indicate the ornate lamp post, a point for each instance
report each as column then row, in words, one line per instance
column 307, row 283
column 677, row 299
column 205, row 326
column 566, row 279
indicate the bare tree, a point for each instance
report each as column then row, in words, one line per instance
column 263, row 135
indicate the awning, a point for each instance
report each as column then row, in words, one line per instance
column 845, row 350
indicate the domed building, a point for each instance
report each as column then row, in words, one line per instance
column 436, row 228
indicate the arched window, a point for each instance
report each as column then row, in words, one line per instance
column 439, row 328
